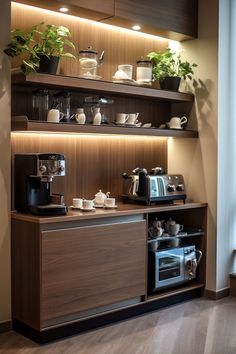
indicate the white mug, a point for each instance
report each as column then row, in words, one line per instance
column 110, row 202
column 121, row 118
column 54, row 115
column 77, row 202
column 80, row 116
column 176, row 122
column 88, row 204
column 132, row 118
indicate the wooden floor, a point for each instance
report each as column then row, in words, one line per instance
column 196, row 327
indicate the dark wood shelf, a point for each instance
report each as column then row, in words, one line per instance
column 22, row 124
column 122, row 210
column 174, row 291
column 98, row 86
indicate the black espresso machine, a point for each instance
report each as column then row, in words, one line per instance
column 34, row 174
column 154, row 187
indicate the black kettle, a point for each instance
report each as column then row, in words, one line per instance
column 142, row 181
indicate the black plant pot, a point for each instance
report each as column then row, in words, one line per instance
column 170, row 83
column 48, row 64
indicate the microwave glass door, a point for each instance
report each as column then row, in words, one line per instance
column 169, row 267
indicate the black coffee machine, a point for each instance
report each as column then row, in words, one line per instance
column 33, row 176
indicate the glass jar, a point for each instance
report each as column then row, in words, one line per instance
column 61, row 101
column 40, row 105
column 127, row 69
column 144, row 71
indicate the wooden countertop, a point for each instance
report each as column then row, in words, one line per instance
column 121, row 210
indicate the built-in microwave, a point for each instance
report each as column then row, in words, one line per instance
column 172, row 266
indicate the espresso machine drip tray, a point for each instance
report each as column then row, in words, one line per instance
column 49, row 209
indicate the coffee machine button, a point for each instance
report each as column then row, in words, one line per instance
column 180, row 187
column 171, row 187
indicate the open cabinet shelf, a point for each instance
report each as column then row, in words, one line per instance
column 22, row 124
column 98, row 86
column 174, row 291
column 126, row 96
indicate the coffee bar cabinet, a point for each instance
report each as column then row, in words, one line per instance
column 62, row 273
column 86, row 269
column 83, row 270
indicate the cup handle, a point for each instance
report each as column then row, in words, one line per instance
column 181, row 227
column 137, row 114
column 61, row 116
column 183, row 120
column 126, row 117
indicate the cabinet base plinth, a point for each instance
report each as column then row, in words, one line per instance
column 51, row 334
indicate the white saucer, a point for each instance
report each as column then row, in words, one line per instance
column 98, row 205
column 86, row 209
column 124, row 124
column 74, row 208
column 177, row 128
column 110, row 207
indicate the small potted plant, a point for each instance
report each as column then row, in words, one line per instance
column 41, row 50
column 169, row 69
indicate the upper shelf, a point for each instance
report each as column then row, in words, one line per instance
column 98, row 86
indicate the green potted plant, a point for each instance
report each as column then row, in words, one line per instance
column 41, row 50
column 169, row 69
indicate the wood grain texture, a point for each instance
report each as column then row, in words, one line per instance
column 159, row 15
column 73, row 128
column 120, row 46
column 82, row 8
column 193, row 327
column 88, row 267
column 94, row 162
column 122, row 210
column 98, row 86
column 25, row 266
column 170, row 19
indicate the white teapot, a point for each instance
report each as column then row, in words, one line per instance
column 100, row 197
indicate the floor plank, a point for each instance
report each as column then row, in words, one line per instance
column 199, row 326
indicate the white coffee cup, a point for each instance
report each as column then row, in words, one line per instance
column 121, row 118
column 110, row 202
column 132, row 118
column 77, row 202
column 177, row 122
column 88, row 204
column 54, row 116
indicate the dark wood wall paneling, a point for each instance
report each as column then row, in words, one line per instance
column 156, row 112
column 94, row 162
column 120, row 46
column 166, row 18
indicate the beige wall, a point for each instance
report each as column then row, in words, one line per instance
column 5, row 297
column 197, row 159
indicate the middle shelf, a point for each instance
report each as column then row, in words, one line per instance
column 25, row 125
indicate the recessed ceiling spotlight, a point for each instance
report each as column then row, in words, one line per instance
column 63, row 9
column 136, row 27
